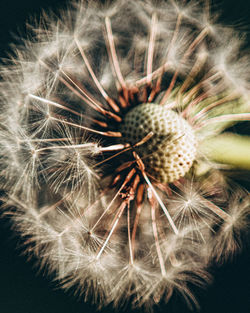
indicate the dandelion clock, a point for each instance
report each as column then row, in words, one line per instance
column 116, row 148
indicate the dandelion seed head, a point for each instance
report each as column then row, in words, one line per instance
column 170, row 152
column 103, row 123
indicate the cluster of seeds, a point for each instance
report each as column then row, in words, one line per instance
column 104, row 116
column 170, row 151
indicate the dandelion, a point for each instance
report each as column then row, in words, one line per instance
column 106, row 116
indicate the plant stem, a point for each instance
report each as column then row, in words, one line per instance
column 229, row 148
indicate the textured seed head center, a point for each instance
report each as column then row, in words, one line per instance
column 170, row 152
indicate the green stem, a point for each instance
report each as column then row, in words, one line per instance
column 229, row 148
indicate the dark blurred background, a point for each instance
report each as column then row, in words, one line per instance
column 23, row 290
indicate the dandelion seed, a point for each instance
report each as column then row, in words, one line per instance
column 105, row 116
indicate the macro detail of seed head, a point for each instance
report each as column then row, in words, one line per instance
column 112, row 167
column 170, row 151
